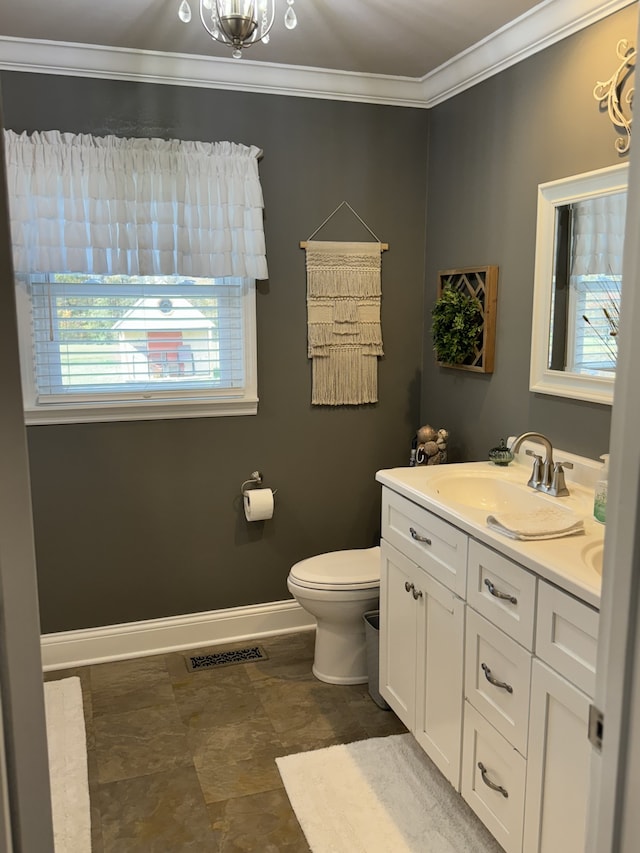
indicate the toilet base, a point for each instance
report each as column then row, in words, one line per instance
column 341, row 652
column 334, row 679
column 341, row 645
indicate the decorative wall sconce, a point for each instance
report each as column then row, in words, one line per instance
column 612, row 94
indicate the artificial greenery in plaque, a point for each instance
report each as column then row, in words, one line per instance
column 478, row 286
column 457, row 324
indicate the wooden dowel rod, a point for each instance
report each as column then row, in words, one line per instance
column 383, row 246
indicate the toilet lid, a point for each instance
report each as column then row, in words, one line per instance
column 354, row 569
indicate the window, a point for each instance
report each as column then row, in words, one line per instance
column 136, row 262
column 587, row 281
column 114, row 347
column 595, row 304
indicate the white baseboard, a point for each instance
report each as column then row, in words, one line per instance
column 159, row 636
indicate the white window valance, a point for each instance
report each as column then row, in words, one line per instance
column 598, row 235
column 110, row 205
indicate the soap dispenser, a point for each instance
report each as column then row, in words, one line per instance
column 600, row 497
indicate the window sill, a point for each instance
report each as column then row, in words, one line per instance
column 164, row 410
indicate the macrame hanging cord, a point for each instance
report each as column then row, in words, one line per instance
column 343, row 321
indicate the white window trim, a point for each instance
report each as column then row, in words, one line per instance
column 217, row 403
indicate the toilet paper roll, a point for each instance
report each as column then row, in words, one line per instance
column 258, row 504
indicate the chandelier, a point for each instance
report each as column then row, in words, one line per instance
column 238, row 23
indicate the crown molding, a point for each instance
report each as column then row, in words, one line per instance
column 179, row 69
column 544, row 25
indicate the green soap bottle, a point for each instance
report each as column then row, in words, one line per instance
column 600, row 497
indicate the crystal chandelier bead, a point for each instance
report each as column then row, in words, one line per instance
column 184, row 12
column 290, row 20
column 237, row 53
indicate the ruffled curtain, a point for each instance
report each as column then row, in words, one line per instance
column 108, row 205
column 598, row 235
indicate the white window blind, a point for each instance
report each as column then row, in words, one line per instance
column 135, row 336
column 595, row 304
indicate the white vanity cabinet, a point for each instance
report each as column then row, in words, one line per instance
column 422, row 628
column 492, row 669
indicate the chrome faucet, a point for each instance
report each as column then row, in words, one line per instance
column 546, row 476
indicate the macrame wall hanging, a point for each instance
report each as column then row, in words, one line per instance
column 343, row 318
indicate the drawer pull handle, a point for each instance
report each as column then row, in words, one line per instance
column 489, row 783
column 415, row 535
column 408, row 586
column 494, row 681
column 505, row 596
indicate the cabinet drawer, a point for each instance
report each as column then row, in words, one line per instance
column 567, row 636
column 432, row 543
column 502, row 810
column 503, row 592
column 492, row 657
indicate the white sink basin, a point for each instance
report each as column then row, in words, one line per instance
column 592, row 556
column 486, row 493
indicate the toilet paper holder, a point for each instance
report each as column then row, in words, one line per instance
column 255, row 479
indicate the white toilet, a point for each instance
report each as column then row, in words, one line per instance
column 338, row 588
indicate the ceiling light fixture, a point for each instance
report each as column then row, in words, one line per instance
column 238, row 23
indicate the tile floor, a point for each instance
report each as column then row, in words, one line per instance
column 182, row 761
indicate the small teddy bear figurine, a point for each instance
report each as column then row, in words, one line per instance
column 432, row 446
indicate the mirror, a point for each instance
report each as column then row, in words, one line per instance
column 576, row 295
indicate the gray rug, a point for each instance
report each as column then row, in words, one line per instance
column 381, row 795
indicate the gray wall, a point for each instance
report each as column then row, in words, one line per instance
column 143, row 519
column 489, row 149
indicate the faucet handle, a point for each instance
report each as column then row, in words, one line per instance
column 536, row 474
column 558, row 486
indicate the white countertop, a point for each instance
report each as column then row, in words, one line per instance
column 559, row 561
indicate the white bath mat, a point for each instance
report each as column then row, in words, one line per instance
column 67, row 745
column 381, row 795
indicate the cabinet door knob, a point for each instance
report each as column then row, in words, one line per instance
column 408, row 586
column 505, row 596
column 489, row 783
column 418, row 538
column 417, row 593
column 494, row 681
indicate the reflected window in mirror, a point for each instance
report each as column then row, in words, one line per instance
column 587, row 280
column 578, row 280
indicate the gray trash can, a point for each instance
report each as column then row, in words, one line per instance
column 372, row 636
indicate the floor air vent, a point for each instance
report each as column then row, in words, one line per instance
column 196, row 663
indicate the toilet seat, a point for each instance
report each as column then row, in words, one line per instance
column 353, row 569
